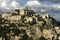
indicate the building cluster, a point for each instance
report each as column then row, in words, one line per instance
column 26, row 24
column 16, row 15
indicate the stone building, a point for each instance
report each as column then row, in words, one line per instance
column 44, row 16
column 15, row 15
column 4, row 15
column 15, row 12
column 27, row 12
column 15, row 18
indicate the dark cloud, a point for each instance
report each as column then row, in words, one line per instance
column 54, row 1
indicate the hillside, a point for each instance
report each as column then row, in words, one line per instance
column 29, row 26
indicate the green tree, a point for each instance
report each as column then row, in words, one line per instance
column 42, row 38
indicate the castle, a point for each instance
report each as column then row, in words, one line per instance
column 16, row 15
column 25, row 24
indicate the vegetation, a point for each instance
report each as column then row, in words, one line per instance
column 42, row 38
column 4, row 29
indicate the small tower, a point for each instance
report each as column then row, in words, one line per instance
column 26, row 7
column 24, row 11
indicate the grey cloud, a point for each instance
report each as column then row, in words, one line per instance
column 54, row 1
column 8, row 5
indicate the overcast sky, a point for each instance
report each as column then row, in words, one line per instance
column 40, row 6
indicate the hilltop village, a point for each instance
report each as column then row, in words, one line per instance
column 25, row 24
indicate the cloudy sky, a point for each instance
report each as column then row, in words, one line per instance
column 40, row 6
